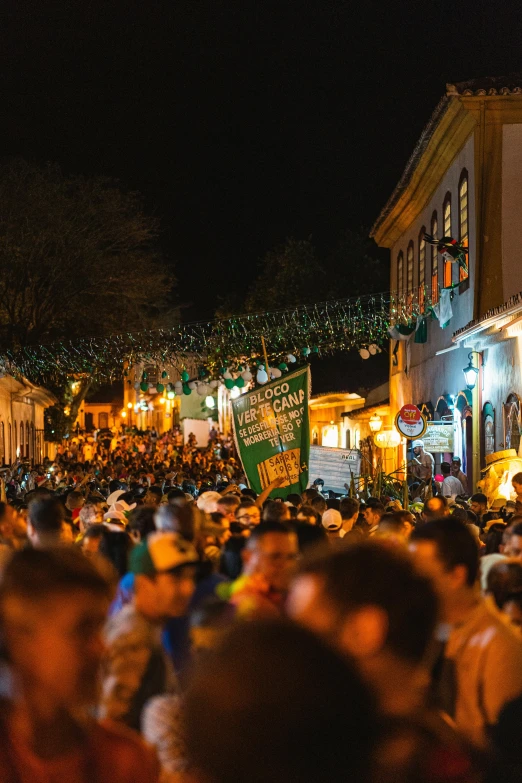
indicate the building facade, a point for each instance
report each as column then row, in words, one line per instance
column 464, row 181
column 22, row 406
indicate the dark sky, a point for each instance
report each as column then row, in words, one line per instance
column 241, row 122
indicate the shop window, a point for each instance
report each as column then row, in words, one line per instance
column 512, row 422
column 103, row 420
column 464, row 223
column 434, row 261
column 422, row 268
column 348, row 439
column 447, row 233
column 488, row 429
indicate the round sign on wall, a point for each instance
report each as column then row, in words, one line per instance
column 410, row 422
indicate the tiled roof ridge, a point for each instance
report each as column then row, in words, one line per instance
column 511, row 84
column 514, row 300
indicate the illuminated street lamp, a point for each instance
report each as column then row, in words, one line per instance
column 129, row 405
column 375, row 423
column 471, row 373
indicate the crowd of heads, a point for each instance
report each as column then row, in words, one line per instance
column 285, row 637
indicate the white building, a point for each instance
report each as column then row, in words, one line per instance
column 22, row 406
column 464, row 180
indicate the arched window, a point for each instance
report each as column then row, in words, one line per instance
column 409, row 269
column 446, row 211
column 512, row 422
column 422, row 268
column 27, row 440
column 488, row 428
column 434, row 261
column 15, row 444
column 463, row 218
column 32, row 444
column 22, row 445
column 400, row 274
column 10, row 442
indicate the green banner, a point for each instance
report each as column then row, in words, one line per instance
column 272, row 433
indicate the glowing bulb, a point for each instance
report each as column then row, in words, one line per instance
column 129, row 405
column 210, row 402
column 171, row 395
column 234, row 392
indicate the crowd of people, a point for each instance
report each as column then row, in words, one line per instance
column 159, row 621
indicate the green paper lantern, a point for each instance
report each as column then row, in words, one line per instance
column 185, row 376
column 306, row 351
column 222, row 370
column 229, row 383
column 186, row 389
column 144, row 376
column 315, row 349
column 144, row 386
column 283, row 367
column 160, row 387
column 240, row 382
column 164, row 374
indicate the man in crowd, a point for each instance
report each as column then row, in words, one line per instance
column 228, row 506
column 136, row 667
column 248, row 513
column 46, row 523
column 153, row 496
column 369, row 600
column 436, row 507
column 423, row 464
column 274, row 703
column 480, row 663
column 53, row 605
column 451, row 485
column 513, row 546
column 349, row 508
column 479, row 505
column 457, row 472
column 332, row 522
column 270, row 558
column 373, row 512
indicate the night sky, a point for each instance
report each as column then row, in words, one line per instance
column 243, row 122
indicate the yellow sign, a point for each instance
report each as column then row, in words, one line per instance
column 439, row 438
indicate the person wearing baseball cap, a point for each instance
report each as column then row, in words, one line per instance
column 332, row 522
column 136, row 666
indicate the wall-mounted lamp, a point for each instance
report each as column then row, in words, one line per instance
column 375, row 423
column 471, row 372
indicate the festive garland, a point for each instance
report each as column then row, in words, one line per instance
column 222, row 345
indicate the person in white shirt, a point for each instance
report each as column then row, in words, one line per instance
column 451, row 486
